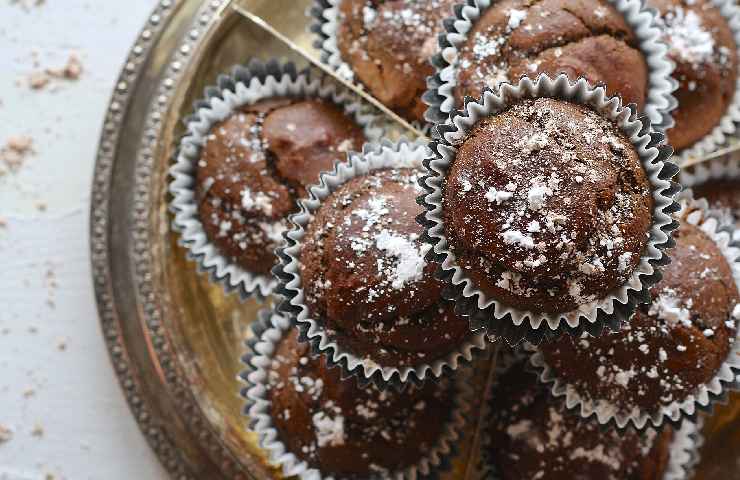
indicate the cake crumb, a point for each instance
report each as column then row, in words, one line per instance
column 72, row 71
column 15, row 151
column 38, row 431
column 6, row 434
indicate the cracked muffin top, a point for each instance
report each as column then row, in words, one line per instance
column 365, row 275
column 256, row 163
column 588, row 38
column 546, row 206
column 346, row 431
column 389, row 44
column 534, row 437
column 671, row 346
column 702, row 46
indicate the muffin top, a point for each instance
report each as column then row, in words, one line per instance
column 670, row 346
column 723, row 196
column 546, row 206
column 257, row 162
column 533, row 437
column 389, row 44
column 348, row 431
column 702, row 46
column 364, row 273
column 588, row 38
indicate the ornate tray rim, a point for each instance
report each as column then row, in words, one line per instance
column 180, row 444
column 148, row 407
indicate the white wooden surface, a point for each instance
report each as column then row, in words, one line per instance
column 63, row 405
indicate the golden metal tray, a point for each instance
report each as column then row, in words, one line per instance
column 174, row 339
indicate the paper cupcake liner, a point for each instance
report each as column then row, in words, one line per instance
column 244, row 86
column 502, row 320
column 324, row 24
column 726, row 167
column 659, row 102
column 268, row 331
column 374, row 157
column 728, row 124
column 705, row 396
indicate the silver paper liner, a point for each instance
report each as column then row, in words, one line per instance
column 726, row 167
column 728, row 124
column 659, row 102
column 270, row 328
column 243, row 86
column 324, row 17
column 498, row 319
column 706, row 396
column 373, row 157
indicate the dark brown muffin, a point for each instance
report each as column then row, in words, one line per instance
column 389, row 44
column 346, row 431
column 257, row 163
column 532, row 437
column 588, row 38
column 670, row 347
column 703, row 48
column 546, row 206
column 364, row 273
column 723, row 197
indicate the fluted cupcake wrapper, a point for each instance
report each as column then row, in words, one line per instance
column 725, row 167
column 659, row 99
column 313, row 330
column 245, row 85
column 324, row 25
column 705, row 396
column 499, row 319
column 268, row 331
column 727, row 128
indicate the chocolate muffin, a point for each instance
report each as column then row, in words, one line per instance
column 389, row 44
column 546, row 206
column 257, row 162
column 363, row 270
column 346, row 431
column 671, row 346
column 532, row 437
column 588, row 38
column 703, row 48
column 723, row 197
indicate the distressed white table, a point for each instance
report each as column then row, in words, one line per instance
column 59, row 398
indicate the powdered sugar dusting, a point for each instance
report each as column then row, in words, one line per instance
column 686, row 36
column 410, row 264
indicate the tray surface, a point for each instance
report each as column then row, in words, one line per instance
column 175, row 339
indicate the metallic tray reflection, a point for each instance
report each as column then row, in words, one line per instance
column 175, row 340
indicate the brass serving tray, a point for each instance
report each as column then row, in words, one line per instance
column 175, row 340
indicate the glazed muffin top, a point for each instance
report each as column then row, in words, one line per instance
column 702, row 46
column 348, row 431
column 533, row 437
column 669, row 347
column 588, row 38
column 389, row 44
column 256, row 163
column 547, row 206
